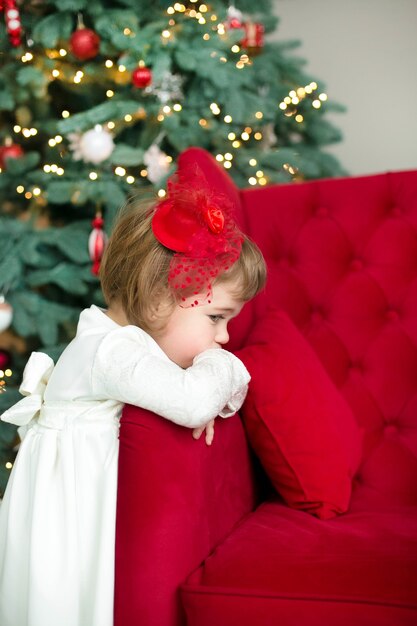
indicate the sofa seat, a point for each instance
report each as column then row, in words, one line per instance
column 281, row 563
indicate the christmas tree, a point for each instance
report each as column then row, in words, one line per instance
column 97, row 99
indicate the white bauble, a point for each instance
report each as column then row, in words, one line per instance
column 6, row 314
column 156, row 162
column 96, row 145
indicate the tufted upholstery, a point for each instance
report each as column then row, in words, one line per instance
column 342, row 259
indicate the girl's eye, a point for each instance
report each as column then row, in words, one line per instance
column 216, row 318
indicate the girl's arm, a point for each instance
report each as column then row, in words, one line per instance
column 128, row 370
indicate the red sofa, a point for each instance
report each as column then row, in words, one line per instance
column 202, row 537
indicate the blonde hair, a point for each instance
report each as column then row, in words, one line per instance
column 135, row 267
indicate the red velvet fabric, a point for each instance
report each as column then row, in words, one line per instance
column 342, row 257
column 177, row 499
column 301, row 428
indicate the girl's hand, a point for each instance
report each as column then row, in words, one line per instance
column 209, row 428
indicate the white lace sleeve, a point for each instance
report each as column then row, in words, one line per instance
column 126, row 368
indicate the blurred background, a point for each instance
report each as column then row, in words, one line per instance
column 366, row 52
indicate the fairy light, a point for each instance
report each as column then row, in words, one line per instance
column 228, row 119
column 62, row 52
column 160, row 117
column 9, row 465
column 166, row 109
column 223, row 59
column 202, row 122
column 52, row 143
column 144, row 173
column 214, row 107
column 221, row 29
column 109, row 93
column 120, row 171
column 130, row 179
column 109, row 63
column 65, row 114
column 219, row 158
column 20, row 189
column 60, row 171
column 28, row 195
column 231, row 136
column 282, row 106
column 55, row 73
column 162, row 193
column 166, row 34
column 236, row 143
column 93, row 175
column 206, row 36
column 258, row 136
column 36, row 191
column 111, row 125
column 127, row 31
column 262, row 181
column 17, row 128
column 177, row 107
column 121, row 68
column 170, row 10
column 323, row 97
column 252, row 180
column 128, row 118
column 245, row 136
column 259, row 115
column 203, row 8
column 227, row 165
column 253, row 162
column 299, row 118
column 316, row 104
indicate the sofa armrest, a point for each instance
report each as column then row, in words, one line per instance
column 177, row 499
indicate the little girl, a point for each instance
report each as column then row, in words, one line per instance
column 173, row 275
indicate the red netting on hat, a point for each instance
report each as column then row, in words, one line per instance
column 197, row 224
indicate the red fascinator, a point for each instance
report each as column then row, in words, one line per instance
column 197, row 224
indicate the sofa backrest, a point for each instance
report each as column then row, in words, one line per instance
column 342, row 261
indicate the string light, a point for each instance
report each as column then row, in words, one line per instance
column 93, row 175
column 108, row 63
column 65, row 114
column 162, row 193
column 120, row 171
column 253, row 162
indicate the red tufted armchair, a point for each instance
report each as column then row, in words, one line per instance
column 202, row 538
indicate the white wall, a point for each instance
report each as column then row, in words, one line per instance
column 365, row 52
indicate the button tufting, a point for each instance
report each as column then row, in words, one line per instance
column 391, row 429
column 356, row 366
column 356, row 265
column 317, row 316
column 392, row 315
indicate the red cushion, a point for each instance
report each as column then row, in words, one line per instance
column 301, row 428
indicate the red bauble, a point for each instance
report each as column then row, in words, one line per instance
column 141, row 77
column 13, row 151
column 97, row 243
column 84, row 43
column 5, row 359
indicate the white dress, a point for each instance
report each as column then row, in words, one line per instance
column 57, row 519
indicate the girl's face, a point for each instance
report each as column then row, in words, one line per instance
column 191, row 330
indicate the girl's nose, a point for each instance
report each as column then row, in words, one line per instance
column 222, row 336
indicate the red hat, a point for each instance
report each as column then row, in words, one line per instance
column 197, row 224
